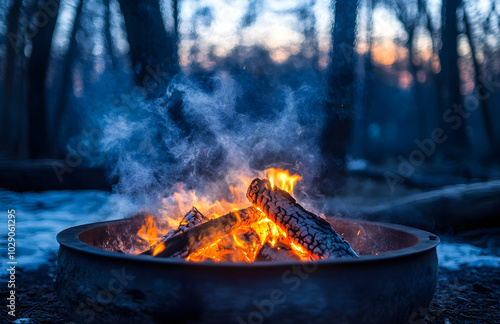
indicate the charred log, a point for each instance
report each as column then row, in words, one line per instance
column 204, row 235
column 280, row 252
column 302, row 227
column 190, row 220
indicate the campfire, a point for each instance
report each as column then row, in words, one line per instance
column 266, row 223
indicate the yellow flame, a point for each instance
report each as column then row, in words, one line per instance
column 282, row 179
column 159, row 248
column 233, row 247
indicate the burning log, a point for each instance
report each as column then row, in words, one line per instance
column 302, row 227
column 192, row 218
column 205, row 234
column 242, row 245
column 280, row 252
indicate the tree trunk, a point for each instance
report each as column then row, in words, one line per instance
column 66, row 74
column 44, row 12
column 366, row 86
column 434, row 117
column 152, row 49
column 339, row 105
column 175, row 13
column 450, row 80
column 417, row 88
column 482, row 97
column 107, row 35
column 12, row 83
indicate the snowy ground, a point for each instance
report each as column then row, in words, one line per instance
column 40, row 216
column 453, row 255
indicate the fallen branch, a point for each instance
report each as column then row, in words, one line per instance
column 451, row 208
column 302, row 227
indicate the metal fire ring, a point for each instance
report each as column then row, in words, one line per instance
column 391, row 282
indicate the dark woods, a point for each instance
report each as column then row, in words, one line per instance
column 397, row 75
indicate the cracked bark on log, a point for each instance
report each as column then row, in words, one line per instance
column 302, row 227
column 280, row 252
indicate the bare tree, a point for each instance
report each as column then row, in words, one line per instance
column 43, row 21
column 153, row 50
column 12, row 82
column 410, row 15
column 449, row 78
column 67, row 65
column 367, row 82
column 107, row 34
column 480, row 79
column 339, row 106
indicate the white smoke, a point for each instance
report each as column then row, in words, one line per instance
column 206, row 138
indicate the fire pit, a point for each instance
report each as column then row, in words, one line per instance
column 394, row 277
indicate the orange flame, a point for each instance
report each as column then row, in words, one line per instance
column 157, row 249
column 149, row 232
column 243, row 244
column 282, row 179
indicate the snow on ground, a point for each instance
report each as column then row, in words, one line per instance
column 40, row 216
column 452, row 255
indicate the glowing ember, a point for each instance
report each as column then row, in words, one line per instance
column 244, row 243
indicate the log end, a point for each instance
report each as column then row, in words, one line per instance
column 304, row 227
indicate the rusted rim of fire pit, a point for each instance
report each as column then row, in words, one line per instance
column 69, row 238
